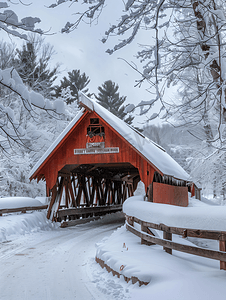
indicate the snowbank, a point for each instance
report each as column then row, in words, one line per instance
column 172, row 277
column 117, row 252
column 17, row 202
column 14, row 225
column 194, row 217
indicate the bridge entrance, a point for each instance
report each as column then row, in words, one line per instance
column 91, row 186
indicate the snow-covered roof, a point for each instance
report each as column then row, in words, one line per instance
column 155, row 154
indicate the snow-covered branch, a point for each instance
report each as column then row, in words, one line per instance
column 9, row 125
column 10, row 23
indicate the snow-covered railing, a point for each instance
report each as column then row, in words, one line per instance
column 21, row 209
column 148, row 238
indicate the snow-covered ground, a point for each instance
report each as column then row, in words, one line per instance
column 40, row 260
column 172, row 277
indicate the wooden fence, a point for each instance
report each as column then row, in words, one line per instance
column 148, row 238
column 21, row 209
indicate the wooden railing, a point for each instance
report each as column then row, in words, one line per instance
column 21, row 209
column 148, row 238
column 72, row 216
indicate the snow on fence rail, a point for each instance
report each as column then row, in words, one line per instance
column 21, row 209
column 148, row 238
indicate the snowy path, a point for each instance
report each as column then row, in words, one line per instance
column 56, row 264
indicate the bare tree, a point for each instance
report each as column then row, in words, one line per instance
column 188, row 39
column 10, row 129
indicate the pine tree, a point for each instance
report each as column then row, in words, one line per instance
column 33, row 67
column 109, row 98
column 76, row 82
column 26, row 63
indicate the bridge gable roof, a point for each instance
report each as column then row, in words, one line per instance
column 153, row 153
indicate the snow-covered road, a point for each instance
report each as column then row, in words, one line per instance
column 57, row 264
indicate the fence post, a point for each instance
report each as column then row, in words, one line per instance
column 167, row 236
column 130, row 220
column 222, row 247
column 146, row 229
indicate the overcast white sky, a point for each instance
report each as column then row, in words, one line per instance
column 82, row 48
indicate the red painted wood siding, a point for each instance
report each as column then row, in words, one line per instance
column 168, row 194
column 76, row 139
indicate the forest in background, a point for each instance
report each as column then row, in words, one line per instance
column 186, row 53
column 206, row 170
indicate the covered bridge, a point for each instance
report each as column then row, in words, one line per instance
column 98, row 160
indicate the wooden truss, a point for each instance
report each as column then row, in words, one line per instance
column 83, row 189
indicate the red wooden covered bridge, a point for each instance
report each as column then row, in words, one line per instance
column 97, row 161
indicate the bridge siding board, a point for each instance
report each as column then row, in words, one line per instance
column 77, row 140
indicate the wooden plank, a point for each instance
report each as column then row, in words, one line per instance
column 22, row 209
column 198, row 233
column 100, row 187
column 167, row 236
column 124, row 192
column 109, row 197
column 78, row 198
column 218, row 255
column 66, row 192
column 75, row 187
column 54, row 193
column 89, row 188
column 92, row 190
column 84, row 210
column 57, row 198
column 70, row 189
column 222, row 247
column 60, row 191
column 113, row 192
column 145, row 229
column 119, row 193
column 77, row 222
column 130, row 220
column 117, row 201
column 84, row 188
column 150, row 192
column 106, row 190
column 97, row 193
column 130, row 189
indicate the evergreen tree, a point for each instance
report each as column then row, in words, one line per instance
column 109, row 98
column 33, row 67
column 76, row 82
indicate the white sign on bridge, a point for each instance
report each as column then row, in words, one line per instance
column 96, row 150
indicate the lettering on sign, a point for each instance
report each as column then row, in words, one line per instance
column 96, row 150
column 95, row 145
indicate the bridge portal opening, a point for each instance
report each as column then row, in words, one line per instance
column 94, row 185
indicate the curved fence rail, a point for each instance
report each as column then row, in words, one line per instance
column 21, row 209
column 148, row 238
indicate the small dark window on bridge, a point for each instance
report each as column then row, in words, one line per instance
column 94, row 121
column 95, row 128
